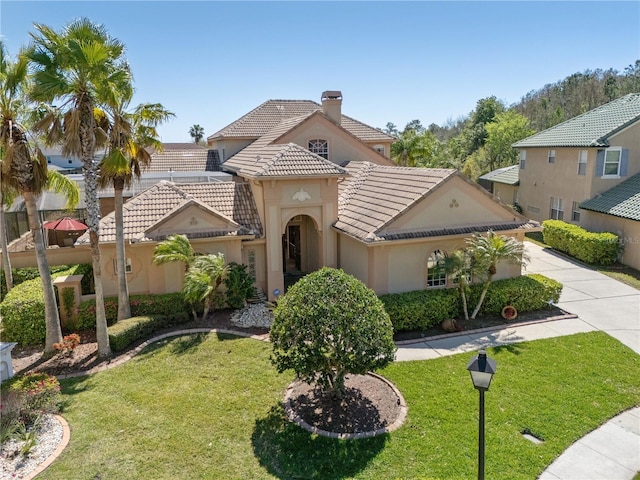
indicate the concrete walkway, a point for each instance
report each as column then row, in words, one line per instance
column 611, row 452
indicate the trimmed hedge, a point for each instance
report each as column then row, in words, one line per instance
column 22, row 311
column 21, row 275
column 141, row 305
column 589, row 247
column 420, row 309
column 127, row 331
column 423, row 309
column 526, row 293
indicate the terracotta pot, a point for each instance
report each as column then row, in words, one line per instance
column 450, row 325
column 509, row 313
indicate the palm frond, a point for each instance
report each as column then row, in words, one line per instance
column 59, row 183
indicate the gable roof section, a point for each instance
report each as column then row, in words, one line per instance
column 376, row 196
column 507, row 175
column 623, row 200
column 281, row 160
column 230, row 200
column 591, row 129
column 266, row 116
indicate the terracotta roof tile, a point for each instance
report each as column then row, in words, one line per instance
column 230, row 199
column 281, row 160
column 266, row 116
column 185, row 160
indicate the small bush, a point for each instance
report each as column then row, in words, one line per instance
column 239, row 285
column 420, row 309
column 38, row 392
column 23, row 316
column 127, row 331
column 589, row 247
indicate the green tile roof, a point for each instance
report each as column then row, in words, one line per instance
column 591, row 129
column 508, row 175
column 623, row 200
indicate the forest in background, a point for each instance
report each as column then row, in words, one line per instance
column 481, row 141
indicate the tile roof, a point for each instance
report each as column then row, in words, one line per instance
column 508, row 175
column 376, row 195
column 185, row 160
column 281, row 160
column 591, row 129
column 623, row 200
column 229, row 199
column 264, row 117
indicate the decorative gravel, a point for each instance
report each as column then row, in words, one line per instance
column 253, row 315
column 13, row 465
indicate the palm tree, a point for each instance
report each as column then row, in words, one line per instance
column 197, row 133
column 491, row 249
column 81, row 67
column 409, row 149
column 21, row 173
column 459, row 265
column 130, row 133
column 6, row 261
column 204, row 273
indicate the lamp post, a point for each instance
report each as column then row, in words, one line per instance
column 481, row 369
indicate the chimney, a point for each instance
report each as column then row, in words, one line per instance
column 332, row 105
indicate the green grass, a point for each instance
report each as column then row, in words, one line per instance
column 209, row 407
column 617, row 271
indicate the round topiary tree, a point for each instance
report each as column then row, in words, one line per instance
column 328, row 325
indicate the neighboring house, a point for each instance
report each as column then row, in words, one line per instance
column 503, row 183
column 564, row 170
column 311, row 188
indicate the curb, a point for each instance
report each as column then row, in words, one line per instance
column 66, row 436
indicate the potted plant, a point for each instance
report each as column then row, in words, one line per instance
column 509, row 313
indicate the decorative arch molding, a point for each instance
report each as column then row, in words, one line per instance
column 288, row 214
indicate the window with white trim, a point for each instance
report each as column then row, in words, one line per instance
column 551, row 157
column 612, row 158
column 523, row 159
column 319, row 147
column 557, row 210
column 582, row 162
column 436, row 274
column 379, row 149
column 575, row 212
column 127, row 266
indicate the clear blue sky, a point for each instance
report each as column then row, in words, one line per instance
column 211, row 62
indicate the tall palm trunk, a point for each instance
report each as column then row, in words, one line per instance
column 90, row 170
column 124, row 307
column 6, row 261
column 54, row 331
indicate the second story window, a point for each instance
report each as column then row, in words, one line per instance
column 582, row 162
column 319, row 147
column 552, row 156
column 523, row 159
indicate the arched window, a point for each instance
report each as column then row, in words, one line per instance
column 436, row 274
column 319, row 147
column 466, row 269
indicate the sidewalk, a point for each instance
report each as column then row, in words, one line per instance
column 611, row 452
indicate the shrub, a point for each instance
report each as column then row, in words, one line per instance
column 127, row 331
column 239, row 285
column 526, row 293
column 589, row 247
column 420, row 309
column 330, row 324
column 68, row 344
column 38, row 392
column 141, row 305
column 23, row 316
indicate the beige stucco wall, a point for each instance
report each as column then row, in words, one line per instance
column 342, row 146
column 541, row 180
column 627, row 230
column 55, row 256
column 506, row 193
column 354, row 258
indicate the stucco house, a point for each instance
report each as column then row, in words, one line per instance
column 310, row 187
column 582, row 171
column 503, row 183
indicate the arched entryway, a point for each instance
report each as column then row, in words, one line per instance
column 300, row 249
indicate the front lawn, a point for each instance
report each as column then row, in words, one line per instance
column 209, row 407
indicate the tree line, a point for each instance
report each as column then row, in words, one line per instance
column 481, row 141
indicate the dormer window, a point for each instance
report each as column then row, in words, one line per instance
column 319, row 147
